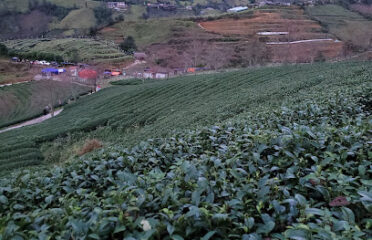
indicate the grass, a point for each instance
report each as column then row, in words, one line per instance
column 129, row 114
column 135, row 13
column 343, row 23
column 145, row 32
column 15, row 5
column 27, row 100
column 78, row 19
column 23, row 5
column 89, row 50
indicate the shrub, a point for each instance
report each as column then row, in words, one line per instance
column 128, row 45
column 89, row 146
column 3, row 50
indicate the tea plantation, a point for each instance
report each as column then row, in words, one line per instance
column 286, row 154
column 127, row 114
column 24, row 101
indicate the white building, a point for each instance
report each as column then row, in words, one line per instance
column 236, row 9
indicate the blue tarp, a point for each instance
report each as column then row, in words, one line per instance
column 50, row 70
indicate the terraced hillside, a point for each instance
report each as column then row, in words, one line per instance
column 27, row 100
column 145, row 32
column 288, row 34
column 127, row 114
column 346, row 25
column 293, row 161
column 88, row 50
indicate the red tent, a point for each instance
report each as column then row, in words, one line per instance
column 88, row 74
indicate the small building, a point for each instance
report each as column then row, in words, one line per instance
column 140, row 56
column 161, row 75
column 237, row 9
column 117, row 5
column 148, row 75
column 280, row 2
column 155, row 74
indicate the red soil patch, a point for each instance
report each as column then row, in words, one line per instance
column 306, row 52
column 297, row 25
column 291, row 20
column 107, row 29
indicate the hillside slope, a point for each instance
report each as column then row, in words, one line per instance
column 128, row 114
column 28, row 100
column 84, row 49
column 300, row 171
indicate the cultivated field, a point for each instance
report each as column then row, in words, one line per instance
column 128, row 114
column 346, row 25
column 282, row 31
column 88, row 50
column 27, row 100
column 23, row 5
column 145, row 32
column 14, row 72
column 291, row 162
column 363, row 9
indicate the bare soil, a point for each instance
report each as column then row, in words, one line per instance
column 292, row 20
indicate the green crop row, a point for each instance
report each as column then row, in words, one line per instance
column 86, row 49
column 128, row 114
column 25, row 101
column 299, row 171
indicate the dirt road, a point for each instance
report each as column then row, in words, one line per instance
column 32, row 121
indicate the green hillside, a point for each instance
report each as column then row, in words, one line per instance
column 347, row 25
column 88, row 50
column 144, row 32
column 127, row 114
column 28, row 100
column 23, row 5
column 284, row 153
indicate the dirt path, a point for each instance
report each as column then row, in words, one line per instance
column 301, row 41
column 202, row 27
column 10, row 84
column 136, row 62
column 32, row 121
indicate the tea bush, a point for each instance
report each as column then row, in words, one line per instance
column 127, row 114
column 298, row 172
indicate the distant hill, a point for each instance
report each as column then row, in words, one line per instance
column 34, row 18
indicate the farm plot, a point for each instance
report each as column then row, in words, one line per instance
column 16, row 72
column 128, row 114
column 346, row 25
column 363, row 9
column 291, row 20
column 280, row 25
column 27, row 100
column 86, row 50
column 300, row 171
column 145, row 33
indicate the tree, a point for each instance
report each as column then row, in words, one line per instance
column 128, row 45
column 3, row 50
column 74, row 55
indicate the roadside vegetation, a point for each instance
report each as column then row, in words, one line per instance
column 291, row 160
